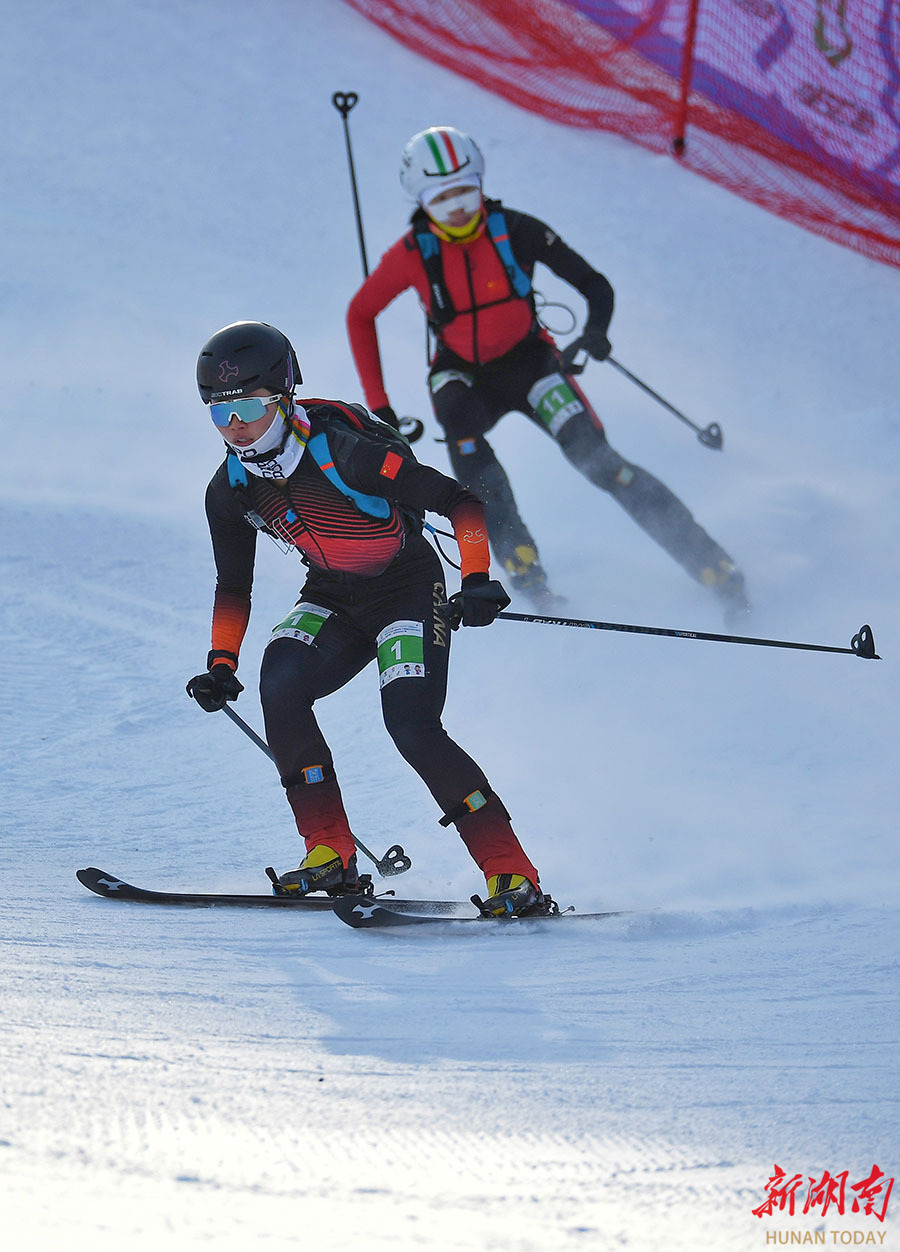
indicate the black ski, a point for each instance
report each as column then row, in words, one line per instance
column 113, row 888
column 366, row 912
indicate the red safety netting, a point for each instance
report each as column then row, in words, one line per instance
column 791, row 103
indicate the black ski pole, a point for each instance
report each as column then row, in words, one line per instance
column 344, row 102
column 394, row 861
column 710, row 436
column 412, row 428
column 862, row 644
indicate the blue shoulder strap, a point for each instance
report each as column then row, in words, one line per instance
column 237, row 475
column 430, row 249
column 520, row 281
column 429, row 244
column 375, row 506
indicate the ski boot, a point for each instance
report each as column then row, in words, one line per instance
column 727, row 582
column 514, row 895
column 323, row 870
column 528, row 576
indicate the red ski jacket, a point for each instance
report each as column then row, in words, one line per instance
column 490, row 319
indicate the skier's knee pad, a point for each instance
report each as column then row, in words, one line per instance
column 590, row 452
column 623, row 477
column 474, row 802
column 471, row 456
column 309, row 775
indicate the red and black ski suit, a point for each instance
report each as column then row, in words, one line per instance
column 374, row 588
column 492, row 357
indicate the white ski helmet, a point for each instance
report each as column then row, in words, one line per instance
column 438, row 159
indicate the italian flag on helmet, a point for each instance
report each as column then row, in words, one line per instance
column 439, row 158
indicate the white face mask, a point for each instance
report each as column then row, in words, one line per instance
column 268, row 440
column 277, row 452
column 468, row 200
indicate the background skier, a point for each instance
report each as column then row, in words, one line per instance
column 471, row 261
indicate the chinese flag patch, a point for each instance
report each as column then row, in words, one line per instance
column 391, row 465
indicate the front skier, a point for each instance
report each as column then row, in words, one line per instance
column 320, row 477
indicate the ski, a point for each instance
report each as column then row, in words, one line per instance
column 366, row 912
column 113, row 888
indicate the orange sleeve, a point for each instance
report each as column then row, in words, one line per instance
column 231, row 613
column 467, row 520
column 394, row 274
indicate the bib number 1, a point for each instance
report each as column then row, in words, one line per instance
column 401, row 652
column 303, row 623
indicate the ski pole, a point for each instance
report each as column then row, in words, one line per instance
column 412, row 428
column 862, row 644
column 394, row 861
column 344, row 102
column 710, row 436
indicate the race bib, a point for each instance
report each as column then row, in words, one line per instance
column 442, row 377
column 554, row 401
column 304, row 622
column 401, row 652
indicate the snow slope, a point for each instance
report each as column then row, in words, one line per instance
column 192, row 1078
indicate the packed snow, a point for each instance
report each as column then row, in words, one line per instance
column 240, row 1079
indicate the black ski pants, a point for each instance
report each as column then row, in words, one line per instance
column 340, row 625
column 469, row 400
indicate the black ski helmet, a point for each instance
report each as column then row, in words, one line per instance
column 243, row 357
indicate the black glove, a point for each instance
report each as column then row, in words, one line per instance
column 213, row 688
column 387, row 415
column 595, row 343
column 479, row 600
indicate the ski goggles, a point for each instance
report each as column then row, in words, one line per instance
column 249, row 410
